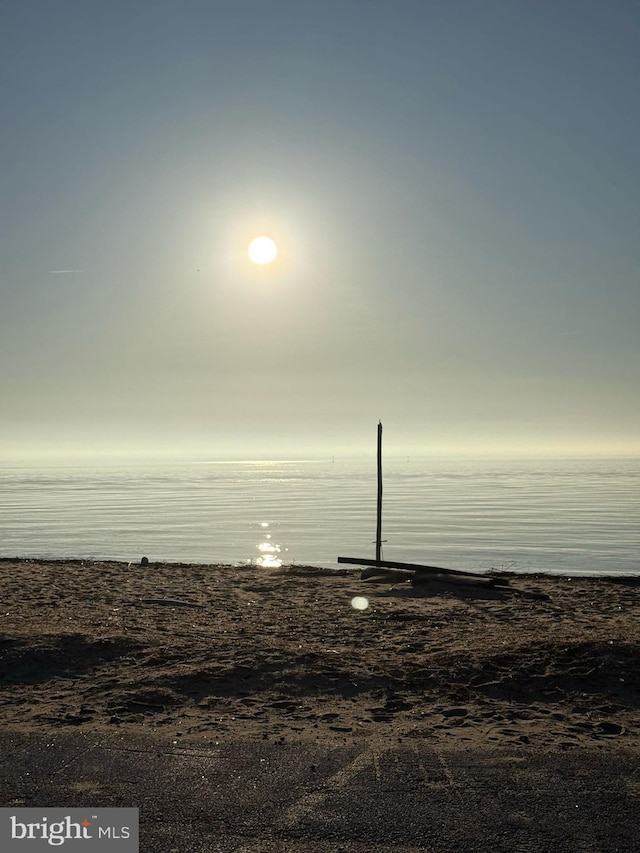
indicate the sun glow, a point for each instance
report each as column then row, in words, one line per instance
column 262, row 250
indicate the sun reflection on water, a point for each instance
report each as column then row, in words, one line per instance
column 269, row 555
column 269, row 551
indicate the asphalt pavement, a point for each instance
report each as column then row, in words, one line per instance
column 299, row 797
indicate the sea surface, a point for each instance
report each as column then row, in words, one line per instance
column 579, row 516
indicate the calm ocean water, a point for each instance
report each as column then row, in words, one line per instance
column 571, row 516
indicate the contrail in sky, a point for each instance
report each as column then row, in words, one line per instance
column 63, row 272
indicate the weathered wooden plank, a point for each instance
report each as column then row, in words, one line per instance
column 455, row 580
column 376, row 574
column 394, row 564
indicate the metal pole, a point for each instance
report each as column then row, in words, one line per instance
column 379, row 518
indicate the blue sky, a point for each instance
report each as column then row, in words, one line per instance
column 453, row 187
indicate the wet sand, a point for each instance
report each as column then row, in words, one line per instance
column 210, row 653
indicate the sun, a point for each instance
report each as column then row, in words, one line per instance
column 262, row 250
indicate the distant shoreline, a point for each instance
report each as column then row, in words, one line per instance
column 169, row 459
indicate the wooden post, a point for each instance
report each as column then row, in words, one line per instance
column 379, row 515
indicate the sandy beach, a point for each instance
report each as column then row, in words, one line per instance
column 209, row 653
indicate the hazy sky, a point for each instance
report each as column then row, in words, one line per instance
column 453, row 187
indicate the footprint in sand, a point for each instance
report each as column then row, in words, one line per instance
column 398, row 704
column 609, row 729
column 455, row 716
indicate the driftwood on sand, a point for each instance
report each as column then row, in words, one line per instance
column 393, row 571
